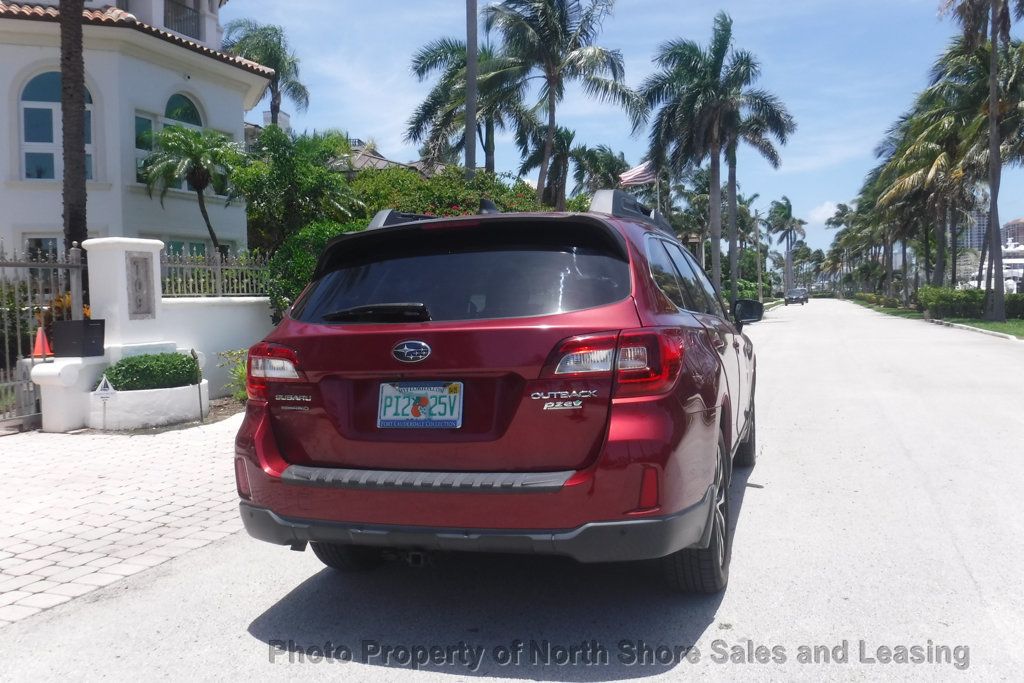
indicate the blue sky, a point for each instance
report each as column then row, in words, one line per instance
column 845, row 69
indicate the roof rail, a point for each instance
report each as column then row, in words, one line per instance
column 622, row 204
column 388, row 217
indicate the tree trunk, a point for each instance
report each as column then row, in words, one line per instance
column 952, row 244
column 939, row 274
column 981, row 262
column 472, row 22
column 549, row 143
column 715, row 211
column 890, row 290
column 906, row 283
column 275, row 103
column 996, row 308
column 489, row 144
column 734, row 260
column 927, row 253
column 757, row 243
column 206, row 218
column 72, row 106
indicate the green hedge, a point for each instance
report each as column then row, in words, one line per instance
column 942, row 302
column 878, row 299
column 153, row 371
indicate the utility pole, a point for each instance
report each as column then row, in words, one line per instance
column 472, row 23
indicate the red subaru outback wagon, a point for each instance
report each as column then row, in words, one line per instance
column 534, row 383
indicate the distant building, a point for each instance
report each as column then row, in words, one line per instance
column 1014, row 231
column 972, row 236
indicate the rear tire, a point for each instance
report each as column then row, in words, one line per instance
column 348, row 558
column 746, row 454
column 706, row 570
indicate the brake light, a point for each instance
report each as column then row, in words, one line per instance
column 590, row 355
column 648, row 361
column 269, row 362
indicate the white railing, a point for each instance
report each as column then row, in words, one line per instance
column 243, row 274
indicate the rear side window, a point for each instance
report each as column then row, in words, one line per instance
column 709, row 290
column 664, row 273
column 501, row 270
column 688, row 279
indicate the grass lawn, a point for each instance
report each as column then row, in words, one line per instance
column 898, row 312
column 1014, row 327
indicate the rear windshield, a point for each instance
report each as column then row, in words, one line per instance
column 504, row 270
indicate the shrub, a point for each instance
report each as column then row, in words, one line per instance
column 941, row 302
column 291, row 266
column 235, row 361
column 1015, row 305
column 153, row 371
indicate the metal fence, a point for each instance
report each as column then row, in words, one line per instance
column 36, row 288
column 243, row 274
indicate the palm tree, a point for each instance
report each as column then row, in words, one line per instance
column 202, row 159
column 268, row 45
column 562, row 154
column 597, row 168
column 974, row 16
column 789, row 229
column 72, row 107
column 439, row 123
column 702, row 97
column 556, row 41
column 758, row 119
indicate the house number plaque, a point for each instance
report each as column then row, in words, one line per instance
column 140, row 285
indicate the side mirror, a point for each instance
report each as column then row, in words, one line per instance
column 747, row 311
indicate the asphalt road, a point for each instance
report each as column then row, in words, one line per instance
column 884, row 511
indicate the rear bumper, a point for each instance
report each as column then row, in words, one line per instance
column 618, row 541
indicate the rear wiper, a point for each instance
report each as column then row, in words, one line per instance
column 381, row 313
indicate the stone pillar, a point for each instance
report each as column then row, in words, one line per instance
column 125, row 288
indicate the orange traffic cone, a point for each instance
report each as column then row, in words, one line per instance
column 42, row 347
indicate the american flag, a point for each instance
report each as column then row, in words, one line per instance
column 644, row 174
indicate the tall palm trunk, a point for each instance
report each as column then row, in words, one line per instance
column 927, row 253
column 275, row 102
column 715, row 215
column 940, row 246
column 72, row 105
column 981, row 261
column 734, row 261
column 906, row 283
column 996, row 308
column 549, row 142
column 472, row 22
column 953, row 229
column 757, row 243
column 489, row 144
column 206, row 217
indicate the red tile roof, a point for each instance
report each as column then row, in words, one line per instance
column 111, row 16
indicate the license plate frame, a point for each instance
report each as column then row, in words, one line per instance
column 398, row 403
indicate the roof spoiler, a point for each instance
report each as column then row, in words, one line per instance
column 622, row 204
column 388, row 217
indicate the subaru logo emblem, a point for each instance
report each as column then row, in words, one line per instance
column 411, row 351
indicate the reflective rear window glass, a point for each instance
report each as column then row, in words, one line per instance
column 480, row 272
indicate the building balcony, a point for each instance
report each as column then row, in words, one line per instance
column 181, row 18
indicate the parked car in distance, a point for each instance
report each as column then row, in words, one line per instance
column 797, row 296
column 546, row 383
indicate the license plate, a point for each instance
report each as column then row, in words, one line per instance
column 420, row 405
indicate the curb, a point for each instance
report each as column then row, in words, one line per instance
column 771, row 305
column 969, row 328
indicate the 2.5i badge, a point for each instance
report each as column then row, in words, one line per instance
column 563, row 400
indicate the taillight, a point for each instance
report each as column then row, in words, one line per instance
column 644, row 361
column 269, row 362
column 648, row 361
column 589, row 355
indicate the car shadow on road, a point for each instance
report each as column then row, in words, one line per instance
column 492, row 602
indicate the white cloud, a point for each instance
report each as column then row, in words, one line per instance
column 821, row 213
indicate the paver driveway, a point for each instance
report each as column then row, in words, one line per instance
column 84, row 510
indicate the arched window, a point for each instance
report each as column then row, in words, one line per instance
column 181, row 109
column 41, row 130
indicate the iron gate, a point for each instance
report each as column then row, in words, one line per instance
column 37, row 287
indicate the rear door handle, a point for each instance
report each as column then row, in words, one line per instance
column 718, row 342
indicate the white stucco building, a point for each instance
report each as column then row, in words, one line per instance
column 148, row 63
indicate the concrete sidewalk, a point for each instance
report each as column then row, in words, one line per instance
column 84, row 510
